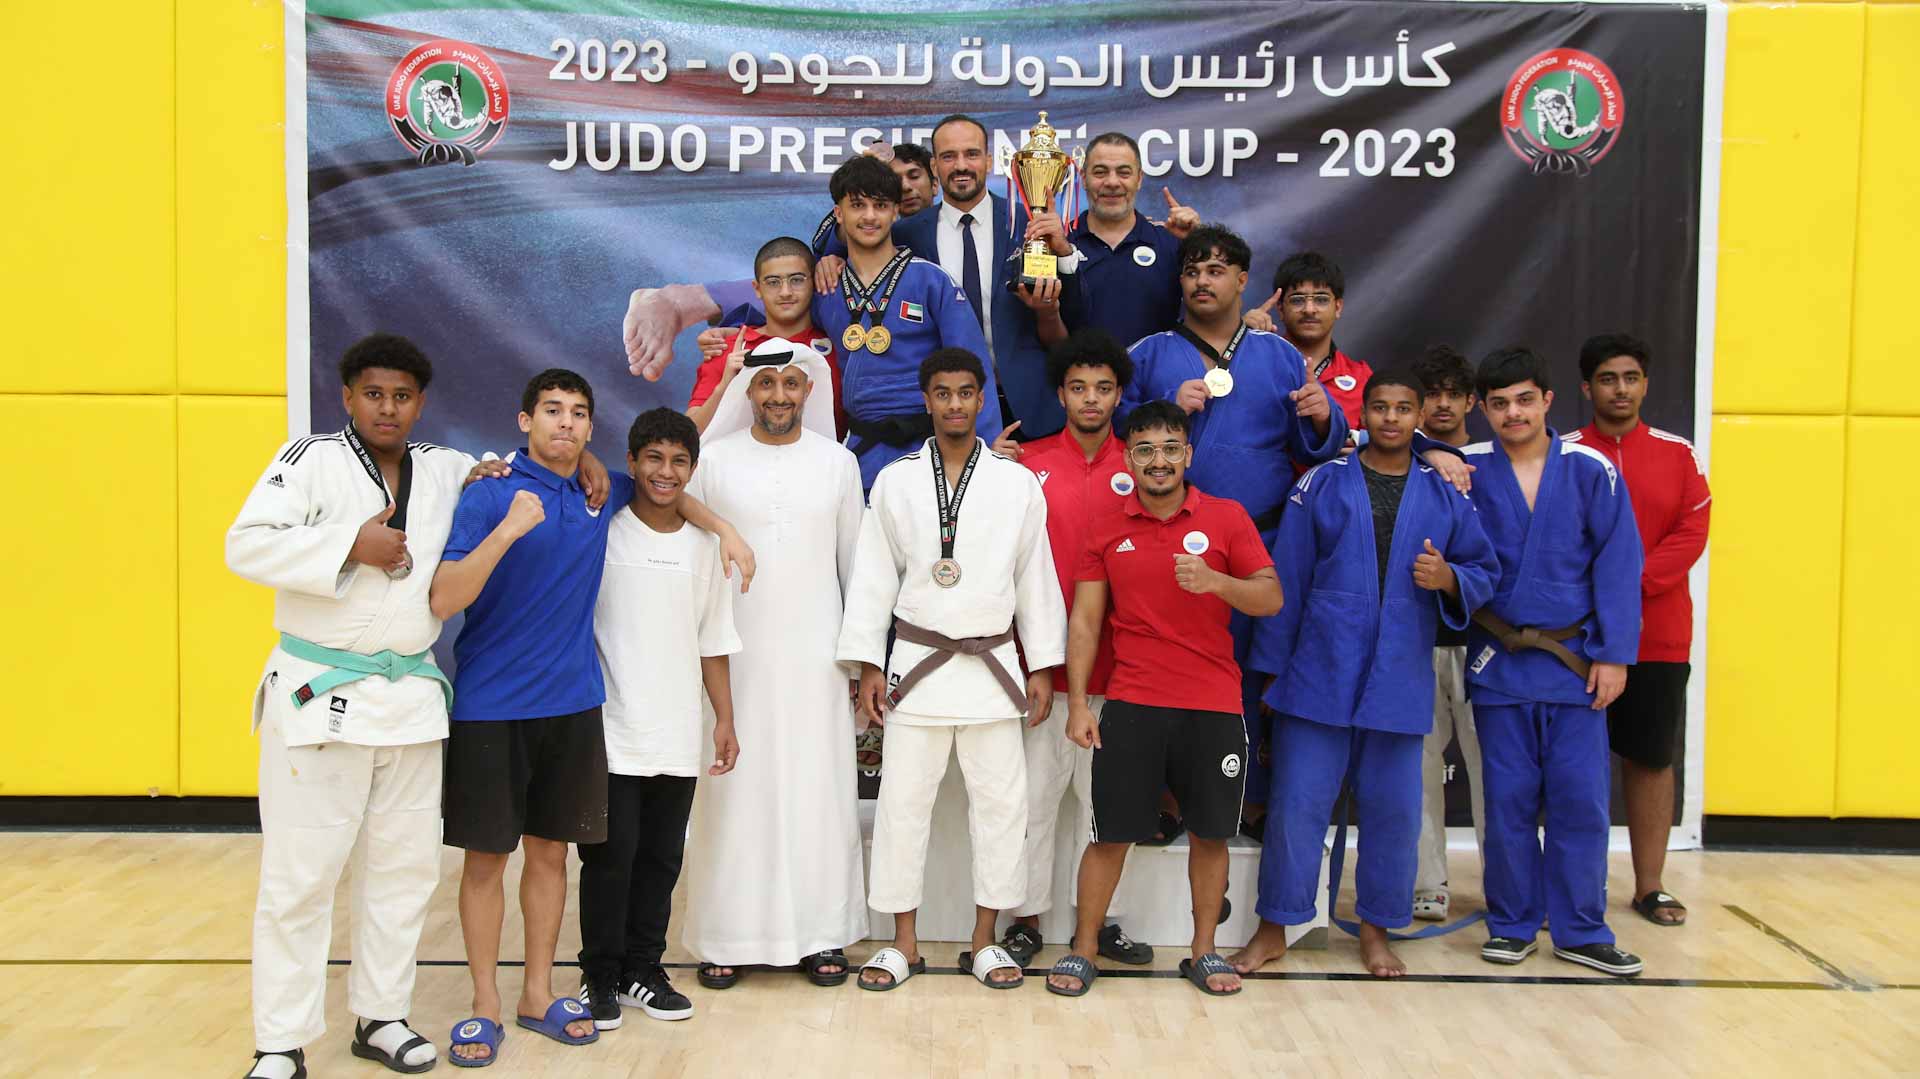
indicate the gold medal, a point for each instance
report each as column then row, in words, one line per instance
column 854, row 338
column 1219, row 382
column 879, row 339
column 946, row 573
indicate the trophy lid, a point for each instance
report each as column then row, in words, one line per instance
column 1042, row 137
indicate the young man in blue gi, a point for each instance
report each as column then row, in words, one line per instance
column 1375, row 551
column 1545, row 658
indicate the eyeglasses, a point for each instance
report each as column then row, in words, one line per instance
column 1300, row 301
column 1143, row 453
column 792, row 281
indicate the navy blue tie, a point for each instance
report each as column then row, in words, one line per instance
column 970, row 269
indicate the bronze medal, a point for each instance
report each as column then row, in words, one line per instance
column 946, row 573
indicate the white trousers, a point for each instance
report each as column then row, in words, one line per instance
column 1452, row 718
column 319, row 806
column 993, row 763
column 1059, row 787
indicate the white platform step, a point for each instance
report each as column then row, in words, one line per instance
column 1153, row 903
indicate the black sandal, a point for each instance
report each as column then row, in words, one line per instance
column 812, row 964
column 366, row 1050
column 1022, row 942
column 1170, row 829
column 716, row 981
column 298, row 1056
column 1647, row 904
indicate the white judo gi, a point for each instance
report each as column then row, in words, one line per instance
column 354, row 772
column 1007, row 582
column 777, row 873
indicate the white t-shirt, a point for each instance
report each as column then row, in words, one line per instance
column 663, row 605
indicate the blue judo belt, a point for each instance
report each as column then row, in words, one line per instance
column 1342, row 813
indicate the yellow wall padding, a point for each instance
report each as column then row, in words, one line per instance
column 1774, row 609
column 91, row 606
column 86, row 255
column 232, row 175
column 1879, row 638
column 1886, row 336
column 226, row 623
column 1787, row 197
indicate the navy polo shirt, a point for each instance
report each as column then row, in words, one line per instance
column 526, row 649
column 1131, row 291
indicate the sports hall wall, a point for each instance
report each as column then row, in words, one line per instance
column 143, row 386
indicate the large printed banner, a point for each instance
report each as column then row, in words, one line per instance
column 493, row 179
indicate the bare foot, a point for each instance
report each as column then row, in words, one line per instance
column 1376, row 955
column 1069, row 982
column 1225, row 983
column 1268, row 944
column 482, row 1010
column 1002, row 976
column 876, row 976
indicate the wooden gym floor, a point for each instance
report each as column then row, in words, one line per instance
column 126, row 955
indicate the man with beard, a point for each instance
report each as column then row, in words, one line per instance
column 783, row 282
column 1130, row 280
column 1082, row 473
column 788, row 819
column 1672, row 506
column 1448, row 380
column 1166, row 568
column 955, row 563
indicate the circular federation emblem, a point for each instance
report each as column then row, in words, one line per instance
column 1195, row 542
column 447, row 101
column 1562, row 111
column 1122, row 483
column 1230, row 765
column 1346, row 383
column 470, row 1028
column 1144, row 255
column 572, row 1006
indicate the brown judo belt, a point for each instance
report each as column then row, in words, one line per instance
column 1546, row 640
column 944, row 649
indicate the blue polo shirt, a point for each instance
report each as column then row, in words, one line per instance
column 526, row 649
column 1131, row 291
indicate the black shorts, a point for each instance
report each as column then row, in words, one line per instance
column 1644, row 724
column 1200, row 756
column 542, row 777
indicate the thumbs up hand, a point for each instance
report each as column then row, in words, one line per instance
column 377, row 545
column 1431, row 572
column 1310, row 400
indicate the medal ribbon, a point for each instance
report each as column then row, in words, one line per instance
column 398, row 522
column 1220, row 357
column 860, row 303
column 950, row 510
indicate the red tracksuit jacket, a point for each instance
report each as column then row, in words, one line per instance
column 1671, row 504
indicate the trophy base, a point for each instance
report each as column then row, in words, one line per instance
column 1035, row 266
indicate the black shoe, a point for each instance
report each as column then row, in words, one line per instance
column 653, row 993
column 1507, row 950
column 602, row 1000
column 298, row 1056
column 1602, row 957
column 1117, row 946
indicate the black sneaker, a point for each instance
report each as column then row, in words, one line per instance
column 602, row 1001
column 1602, row 957
column 1507, row 950
column 651, row 992
column 1117, row 946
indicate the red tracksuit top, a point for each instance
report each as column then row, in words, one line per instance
column 1671, row 504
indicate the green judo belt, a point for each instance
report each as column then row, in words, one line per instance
column 353, row 666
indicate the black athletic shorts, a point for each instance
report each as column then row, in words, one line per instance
column 1200, row 756
column 542, row 777
column 1645, row 724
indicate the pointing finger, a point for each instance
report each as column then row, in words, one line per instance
column 1271, row 301
column 1172, row 203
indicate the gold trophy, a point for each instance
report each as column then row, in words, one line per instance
column 1041, row 170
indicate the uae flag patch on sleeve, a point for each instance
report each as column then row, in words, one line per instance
column 912, row 312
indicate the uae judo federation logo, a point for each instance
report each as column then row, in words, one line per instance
column 447, row 100
column 1562, row 111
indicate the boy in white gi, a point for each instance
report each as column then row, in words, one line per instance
column 954, row 586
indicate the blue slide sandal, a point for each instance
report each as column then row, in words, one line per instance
column 554, row 1023
column 477, row 1031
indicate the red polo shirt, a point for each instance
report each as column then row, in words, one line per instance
column 1345, row 380
column 1077, row 491
column 1671, row 505
column 707, row 378
column 1171, row 648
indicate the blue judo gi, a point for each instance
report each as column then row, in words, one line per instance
column 1574, row 560
column 1244, row 448
column 1352, row 673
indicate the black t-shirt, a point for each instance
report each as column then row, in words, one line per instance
column 1383, row 493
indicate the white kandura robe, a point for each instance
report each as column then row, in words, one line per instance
column 774, row 867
